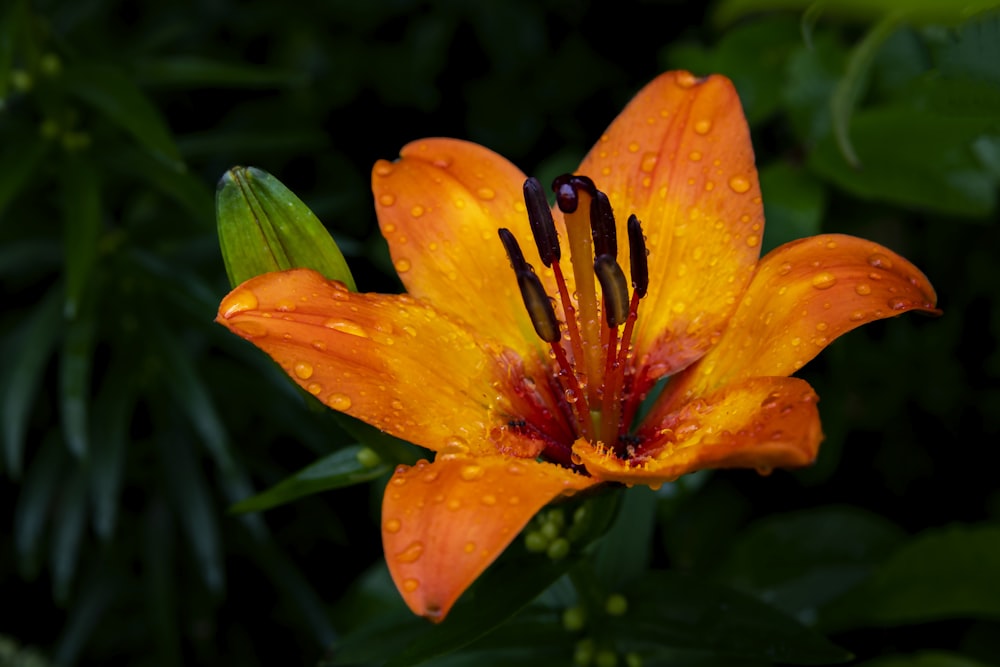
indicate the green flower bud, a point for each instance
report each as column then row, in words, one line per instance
column 606, row 658
column 583, row 654
column 535, row 542
column 616, row 605
column 368, row 457
column 574, row 618
column 264, row 227
column 559, row 549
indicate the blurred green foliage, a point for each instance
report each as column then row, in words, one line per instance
column 130, row 424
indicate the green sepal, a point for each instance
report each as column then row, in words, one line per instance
column 264, row 227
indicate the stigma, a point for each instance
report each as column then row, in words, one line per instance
column 591, row 344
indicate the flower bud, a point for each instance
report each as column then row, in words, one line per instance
column 264, row 227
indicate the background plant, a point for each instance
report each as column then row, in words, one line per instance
column 130, row 423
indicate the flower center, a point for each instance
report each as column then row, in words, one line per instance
column 591, row 345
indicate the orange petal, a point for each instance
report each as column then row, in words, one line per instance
column 804, row 295
column 762, row 423
column 440, row 206
column 679, row 157
column 390, row 360
column 443, row 523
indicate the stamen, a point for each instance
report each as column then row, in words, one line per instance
column 543, row 228
column 536, row 301
column 613, row 288
column 567, row 189
column 638, row 256
column 602, row 225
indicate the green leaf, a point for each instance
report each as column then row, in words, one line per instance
column 26, row 357
column 913, row 158
column 669, row 611
column 197, row 72
column 941, row 574
column 625, row 551
column 18, row 257
column 503, row 590
column 917, row 11
column 112, row 417
column 264, row 227
column 802, row 560
column 342, row 468
column 74, row 383
column 924, row 659
column 849, row 88
column 100, row 588
column 81, row 195
column 113, row 94
column 193, row 506
column 793, row 203
column 812, row 75
column 160, row 584
column 27, row 152
column 40, row 488
column 68, row 521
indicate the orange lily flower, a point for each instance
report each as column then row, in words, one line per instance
column 525, row 398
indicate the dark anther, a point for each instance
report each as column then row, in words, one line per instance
column 566, row 188
column 517, row 423
column 637, row 256
column 602, row 226
column 540, row 217
column 536, row 301
column 613, row 288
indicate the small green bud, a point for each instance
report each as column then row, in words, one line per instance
column 616, row 605
column 264, row 227
column 20, row 80
column 75, row 141
column 50, row 64
column 550, row 530
column 535, row 541
column 633, row 660
column 583, row 654
column 574, row 618
column 606, row 658
column 367, row 457
column 559, row 549
column 557, row 517
column 49, row 129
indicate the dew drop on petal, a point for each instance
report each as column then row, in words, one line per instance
column 339, row 401
column 238, row 302
column 785, row 269
column 383, row 168
column 303, row 370
column 899, row 304
column 486, row 193
column 703, row 126
column 824, row 280
column 879, row 261
column 685, row 79
column 739, row 184
column 470, row 547
column 417, row 211
column 392, row 525
column 489, row 499
column 402, row 265
column 387, row 199
column 753, row 240
column 455, row 446
column 515, row 469
column 314, row 388
column 694, row 156
column 347, row 327
column 410, row 585
column 856, row 316
column 864, row 289
column 649, row 161
column 471, row 473
column 411, row 553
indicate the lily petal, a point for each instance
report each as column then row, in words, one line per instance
column 440, row 206
column 390, row 360
column 443, row 523
column 762, row 423
column 679, row 157
column 804, row 295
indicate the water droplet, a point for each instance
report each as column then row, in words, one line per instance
column 824, row 280
column 383, row 168
column 703, row 126
column 633, row 147
column 250, row 329
column 679, row 307
column 822, row 326
column 830, row 245
column 347, row 327
column 709, row 186
column 455, row 446
column 785, row 269
column 471, row 473
column 753, row 240
column 864, row 289
column 486, row 193
column 417, row 211
column 899, row 304
column 649, row 161
column 402, row 265
column 470, row 547
column 392, row 525
column 238, row 302
column 796, row 341
column 739, row 184
column 515, row 469
column 454, row 504
column 513, row 500
column 303, row 370
column 314, row 388
column 694, row 156
column 339, row 401
column 489, row 499
column 387, row 199
column 879, row 261
column 410, row 585
column 411, row 553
